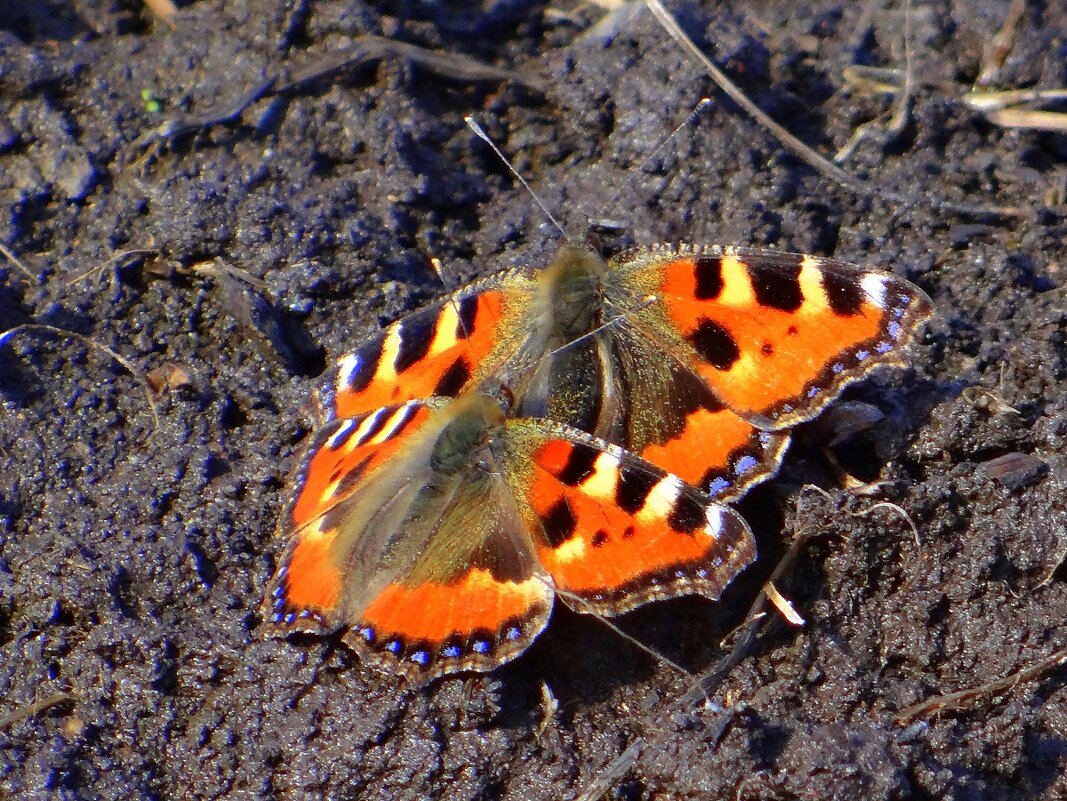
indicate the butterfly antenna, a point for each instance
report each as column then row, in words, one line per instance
column 474, row 126
column 581, row 605
column 697, row 110
column 435, row 263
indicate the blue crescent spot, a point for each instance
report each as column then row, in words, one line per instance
column 480, row 647
column 718, row 485
column 420, row 657
column 513, row 633
column 451, row 651
column 744, row 464
column 862, row 354
column 393, row 646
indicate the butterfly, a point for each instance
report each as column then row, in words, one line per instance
column 697, row 358
column 436, row 534
column 434, row 523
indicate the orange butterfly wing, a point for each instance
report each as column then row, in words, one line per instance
column 777, row 336
column 430, row 353
column 465, row 592
column 719, row 452
column 616, row 532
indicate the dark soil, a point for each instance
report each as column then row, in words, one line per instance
column 133, row 554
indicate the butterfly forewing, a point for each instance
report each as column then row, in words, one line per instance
column 420, row 554
column 777, row 336
column 587, row 362
column 431, row 353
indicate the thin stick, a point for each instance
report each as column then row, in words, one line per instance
column 35, row 708
column 616, row 770
column 11, row 257
column 994, row 57
column 899, row 510
column 1033, row 120
column 816, row 161
column 959, row 700
column 579, row 604
column 10, row 333
column 811, row 157
column 474, row 126
column 995, row 101
column 164, row 9
column 900, row 116
column 704, row 684
column 113, row 261
column 362, row 49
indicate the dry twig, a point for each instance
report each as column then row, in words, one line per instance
column 363, row 49
column 963, row 698
column 34, row 708
column 814, row 159
column 11, row 333
column 164, row 9
column 11, row 257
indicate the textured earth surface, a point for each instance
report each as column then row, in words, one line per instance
column 137, row 523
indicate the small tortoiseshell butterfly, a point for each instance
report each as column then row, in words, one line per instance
column 694, row 358
column 436, row 533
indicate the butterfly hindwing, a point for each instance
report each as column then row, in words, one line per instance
column 615, row 531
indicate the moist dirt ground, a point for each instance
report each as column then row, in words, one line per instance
column 210, row 272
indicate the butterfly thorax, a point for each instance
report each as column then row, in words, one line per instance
column 574, row 285
column 464, row 443
column 462, row 494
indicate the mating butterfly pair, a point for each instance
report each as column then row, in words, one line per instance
column 591, row 400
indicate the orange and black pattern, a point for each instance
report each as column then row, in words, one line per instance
column 572, row 432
